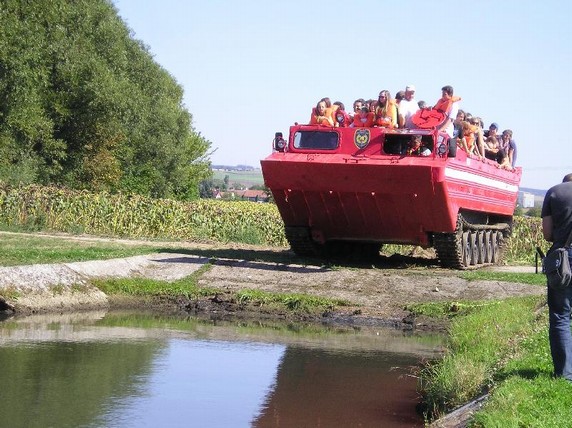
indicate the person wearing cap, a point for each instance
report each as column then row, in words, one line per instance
column 408, row 106
column 492, row 131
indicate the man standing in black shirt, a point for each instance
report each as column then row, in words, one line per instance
column 556, row 226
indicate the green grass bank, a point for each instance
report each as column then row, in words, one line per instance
column 499, row 348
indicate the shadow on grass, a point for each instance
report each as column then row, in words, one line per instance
column 525, row 373
column 256, row 258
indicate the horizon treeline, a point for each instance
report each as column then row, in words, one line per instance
column 84, row 105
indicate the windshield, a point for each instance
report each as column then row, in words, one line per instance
column 316, row 140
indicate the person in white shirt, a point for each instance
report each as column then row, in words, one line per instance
column 408, row 106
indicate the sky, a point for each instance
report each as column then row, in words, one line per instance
column 251, row 68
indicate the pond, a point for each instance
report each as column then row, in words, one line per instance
column 112, row 369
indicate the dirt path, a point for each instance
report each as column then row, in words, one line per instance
column 378, row 293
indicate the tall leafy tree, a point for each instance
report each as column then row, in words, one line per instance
column 85, row 104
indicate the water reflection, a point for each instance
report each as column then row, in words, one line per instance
column 134, row 370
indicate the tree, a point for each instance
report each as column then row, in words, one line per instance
column 206, row 188
column 85, row 105
column 534, row 212
column 259, row 187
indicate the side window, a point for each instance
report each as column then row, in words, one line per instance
column 399, row 144
column 395, row 144
column 316, row 140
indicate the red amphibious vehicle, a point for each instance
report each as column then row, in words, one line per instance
column 350, row 190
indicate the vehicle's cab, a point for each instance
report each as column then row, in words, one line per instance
column 365, row 142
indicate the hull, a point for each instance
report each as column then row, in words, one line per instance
column 365, row 194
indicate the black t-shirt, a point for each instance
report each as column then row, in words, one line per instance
column 558, row 204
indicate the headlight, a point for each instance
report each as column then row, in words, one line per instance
column 279, row 142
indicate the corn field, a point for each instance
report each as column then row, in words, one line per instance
column 64, row 210
column 58, row 209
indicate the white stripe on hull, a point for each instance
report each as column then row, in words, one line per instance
column 479, row 179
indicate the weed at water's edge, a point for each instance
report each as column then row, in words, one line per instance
column 480, row 343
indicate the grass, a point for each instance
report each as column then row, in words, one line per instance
column 479, row 345
column 291, row 301
column 527, row 395
column 246, row 178
column 21, row 249
column 143, row 287
column 501, row 347
column 448, row 310
column 518, row 277
column 188, row 288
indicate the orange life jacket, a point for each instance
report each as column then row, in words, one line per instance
column 469, row 135
column 386, row 117
column 326, row 119
column 444, row 104
column 364, row 120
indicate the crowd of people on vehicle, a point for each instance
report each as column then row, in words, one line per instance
column 399, row 113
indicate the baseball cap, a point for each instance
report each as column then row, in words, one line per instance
column 494, row 125
column 410, row 88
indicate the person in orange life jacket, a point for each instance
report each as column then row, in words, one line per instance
column 385, row 111
column 342, row 119
column 320, row 115
column 364, row 119
column 471, row 138
column 371, row 105
column 466, row 139
column 329, row 108
column 415, row 148
column 449, row 106
column 358, row 104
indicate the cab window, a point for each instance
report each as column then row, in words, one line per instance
column 316, row 140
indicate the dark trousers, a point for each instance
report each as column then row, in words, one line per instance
column 559, row 334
